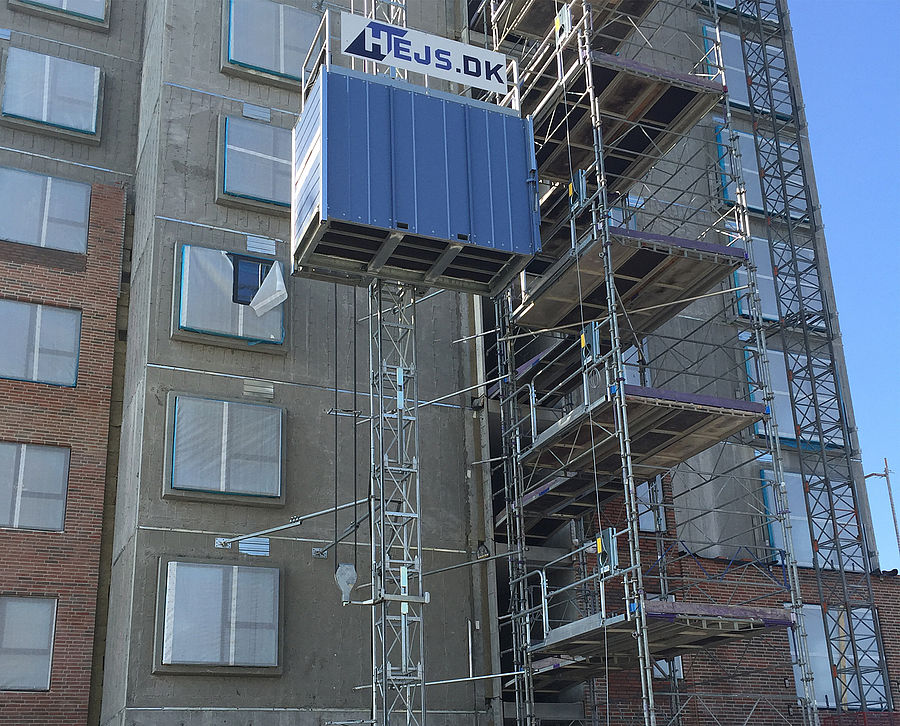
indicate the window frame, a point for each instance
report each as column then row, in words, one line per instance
column 18, row 491
column 80, row 312
column 213, row 496
column 190, row 669
column 33, row 7
column 216, row 338
column 47, row 127
column 247, row 70
column 46, row 212
column 55, row 601
column 246, row 201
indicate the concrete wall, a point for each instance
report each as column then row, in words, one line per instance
column 325, row 649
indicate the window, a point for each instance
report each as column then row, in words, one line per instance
column 270, row 37
column 248, row 275
column 735, row 76
column 801, row 538
column 89, row 9
column 790, row 151
column 220, row 446
column 220, row 615
column 817, row 643
column 257, row 161
column 782, row 401
column 765, row 281
column 51, row 90
column 650, row 515
column 33, row 483
column 44, row 211
column 207, row 303
column 40, row 343
column 26, row 642
column 665, row 668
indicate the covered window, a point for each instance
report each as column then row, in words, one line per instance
column 823, row 530
column 51, row 90
column 44, row 211
column 650, row 515
column 90, row 9
column 220, row 615
column 33, row 482
column 765, row 281
column 26, row 642
column 211, row 283
column 736, row 78
column 270, row 37
column 40, row 343
column 790, row 152
column 867, row 646
column 257, row 161
column 221, row 446
column 782, row 396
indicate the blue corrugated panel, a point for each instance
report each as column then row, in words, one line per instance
column 448, row 183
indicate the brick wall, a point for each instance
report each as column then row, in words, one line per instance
column 64, row 564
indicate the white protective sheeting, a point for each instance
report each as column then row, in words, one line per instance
column 44, row 211
column 26, row 642
column 33, row 481
column 51, row 90
column 272, row 292
column 40, row 342
column 270, row 36
column 206, row 306
column 222, row 446
column 221, row 615
column 257, row 161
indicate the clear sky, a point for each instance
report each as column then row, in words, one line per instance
column 849, row 57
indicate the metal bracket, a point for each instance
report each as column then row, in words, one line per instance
column 320, row 553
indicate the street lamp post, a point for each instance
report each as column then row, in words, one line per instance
column 886, row 474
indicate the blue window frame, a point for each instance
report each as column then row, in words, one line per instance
column 52, row 91
column 88, row 9
column 40, row 343
column 257, row 162
column 207, row 298
column 270, row 37
column 226, row 447
column 44, row 211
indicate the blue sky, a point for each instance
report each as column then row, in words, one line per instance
column 848, row 55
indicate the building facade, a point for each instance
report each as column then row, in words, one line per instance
column 150, row 411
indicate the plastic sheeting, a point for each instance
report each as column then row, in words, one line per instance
column 207, row 281
column 51, row 90
column 26, row 642
column 40, row 342
column 272, row 292
column 257, row 161
column 33, row 482
column 221, row 615
column 44, row 211
column 270, row 37
column 222, row 446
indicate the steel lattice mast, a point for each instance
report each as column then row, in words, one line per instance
column 841, row 555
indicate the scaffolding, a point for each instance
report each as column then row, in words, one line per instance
column 806, row 329
column 634, row 385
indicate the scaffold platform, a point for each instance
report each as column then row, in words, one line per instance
column 656, row 276
column 589, row 647
column 666, row 428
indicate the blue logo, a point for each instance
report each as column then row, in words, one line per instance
column 376, row 41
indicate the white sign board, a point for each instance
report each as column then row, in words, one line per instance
column 420, row 52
